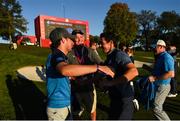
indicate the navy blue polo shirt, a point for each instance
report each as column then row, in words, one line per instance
column 118, row 60
column 58, row 86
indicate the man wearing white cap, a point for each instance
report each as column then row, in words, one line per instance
column 162, row 73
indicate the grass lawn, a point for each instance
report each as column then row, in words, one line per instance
column 22, row 99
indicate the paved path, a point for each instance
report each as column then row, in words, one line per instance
column 139, row 64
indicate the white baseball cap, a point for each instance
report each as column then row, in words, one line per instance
column 161, row 42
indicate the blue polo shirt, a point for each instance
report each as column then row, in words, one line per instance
column 118, row 60
column 163, row 64
column 58, row 86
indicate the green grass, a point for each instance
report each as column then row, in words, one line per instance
column 144, row 56
column 13, row 90
column 21, row 99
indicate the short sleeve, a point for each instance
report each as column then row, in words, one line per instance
column 122, row 58
column 56, row 60
column 169, row 63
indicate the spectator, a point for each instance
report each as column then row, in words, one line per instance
column 122, row 47
column 94, row 46
column 172, row 51
column 120, row 91
column 162, row 73
column 13, row 46
column 58, row 71
column 129, row 51
column 83, row 87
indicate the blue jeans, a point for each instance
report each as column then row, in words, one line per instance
column 161, row 94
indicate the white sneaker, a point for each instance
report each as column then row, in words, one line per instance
column 136, row 104
column 80, row 112
column 172, row 95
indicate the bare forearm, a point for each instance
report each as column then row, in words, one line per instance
column 128, row 76
column 165, row 76
column 131, row 74
column 78, row 70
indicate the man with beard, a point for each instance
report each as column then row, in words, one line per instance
column 83, row 87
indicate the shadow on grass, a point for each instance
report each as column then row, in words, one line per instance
column 103, row 107
column 172, row 106
column 29, row 102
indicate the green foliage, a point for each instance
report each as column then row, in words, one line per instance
column 168, row 21
column 11, row 20
column 166, row 27
column 169, row 26
column 95, row 39
column 147, row 22
column 121, row 23
column 10, row 61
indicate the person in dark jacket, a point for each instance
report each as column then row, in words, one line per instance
column 172, row 51
column 83, row 87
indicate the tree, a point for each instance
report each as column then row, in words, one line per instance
column 168, row 24
column 168, row 21
column 120, row 22
column 11, row 20
column 95, row 39
column 178, row 26
column 147, row 22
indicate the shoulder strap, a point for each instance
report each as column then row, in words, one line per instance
column 82, row 55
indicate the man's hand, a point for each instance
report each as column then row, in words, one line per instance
column 106, row 70
column 152, row 78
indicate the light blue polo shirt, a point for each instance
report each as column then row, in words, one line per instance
column 58, row 86
column 163, row 64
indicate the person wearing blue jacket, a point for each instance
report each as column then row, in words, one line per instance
column 163, row 71
column 58, row 72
